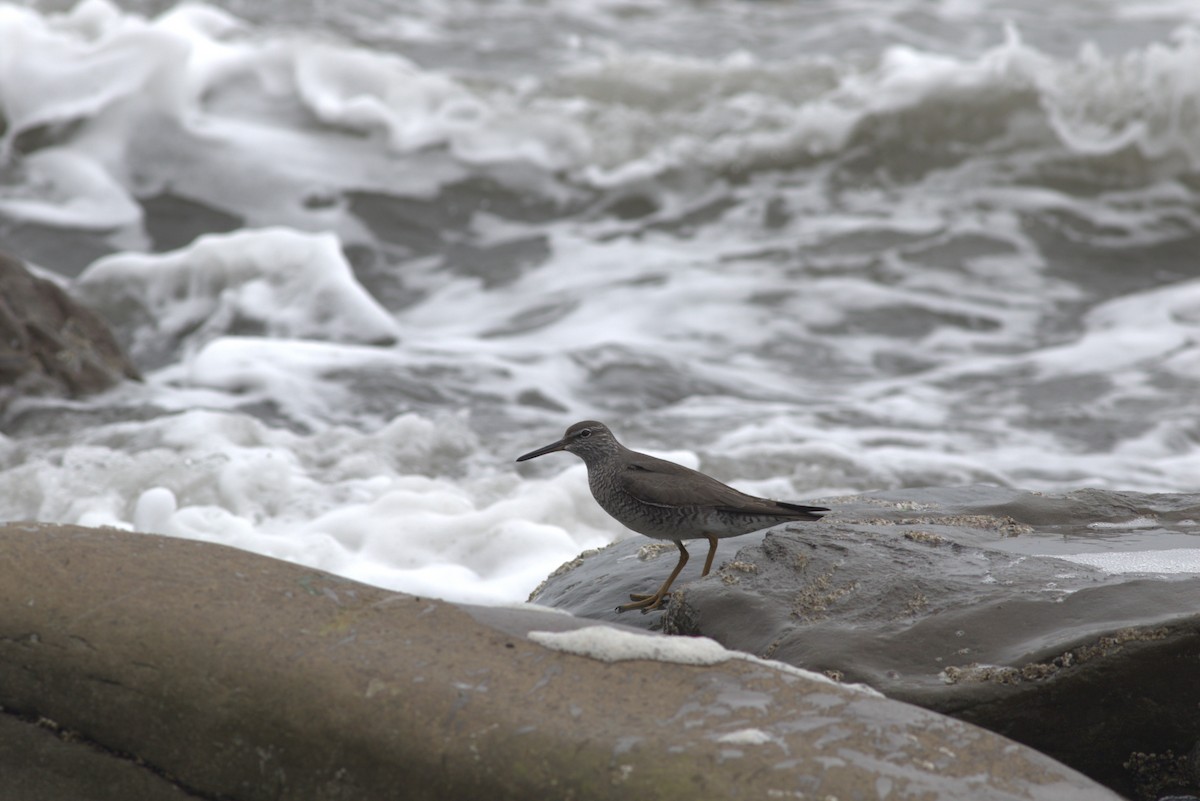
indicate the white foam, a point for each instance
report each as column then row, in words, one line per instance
column 365, row 92
column 1158, row 324
column 1101, row 104
column 154, row 509
column 289, row 374
column 1132, row 523
column 64, row 188
column 197, row 102
column 615, row 645
column 373, row 506
column 1164, row 562
column 746, row 737
column 258, row 122
column 287, row 283
column 609, row 644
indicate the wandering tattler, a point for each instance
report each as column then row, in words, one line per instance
column 667, row 501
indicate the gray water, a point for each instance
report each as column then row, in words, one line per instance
column 813, row 248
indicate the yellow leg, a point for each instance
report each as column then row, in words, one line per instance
column 712, row 551
column 648, row 602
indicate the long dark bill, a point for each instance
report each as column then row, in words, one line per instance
column 551, row 448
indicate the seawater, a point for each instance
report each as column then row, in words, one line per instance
column 367, row 254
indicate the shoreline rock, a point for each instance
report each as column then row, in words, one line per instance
column 947, row 598
column 237, row 676
column 49, row 343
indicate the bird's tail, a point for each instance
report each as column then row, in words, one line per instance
column 811, row 512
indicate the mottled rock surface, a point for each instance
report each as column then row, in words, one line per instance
column 49, row 344
column 234, row 676
column 39, row 762
column 950, row 599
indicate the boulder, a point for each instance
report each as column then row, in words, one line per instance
column 953, row 599
column 40, row 762
column 49, row 344
column 235, row 676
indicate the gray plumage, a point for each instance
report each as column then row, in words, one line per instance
column 667, row 501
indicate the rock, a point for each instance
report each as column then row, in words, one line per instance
column 49, row 344
column 938, row 597
column 236, row 676
column 40, row 763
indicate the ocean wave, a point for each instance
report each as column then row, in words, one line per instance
column 274, row 283
column 102, row 107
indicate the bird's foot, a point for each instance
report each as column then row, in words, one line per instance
column 644, row 602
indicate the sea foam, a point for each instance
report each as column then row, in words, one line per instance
column 379, row 507
column 275, row 282
column 871, row 250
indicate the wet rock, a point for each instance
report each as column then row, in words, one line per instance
column 951, row 599
column 235, row 676
column 49, row 344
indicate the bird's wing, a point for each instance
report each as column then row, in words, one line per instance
column 661, row 483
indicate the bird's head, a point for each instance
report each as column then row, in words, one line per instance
column 588, row 440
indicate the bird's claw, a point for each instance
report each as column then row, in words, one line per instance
column 646, row 603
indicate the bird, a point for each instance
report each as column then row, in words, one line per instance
column 667, row 501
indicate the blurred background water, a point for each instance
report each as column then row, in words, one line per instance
column 367, row 252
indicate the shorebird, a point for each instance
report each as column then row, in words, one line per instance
column 667, row 501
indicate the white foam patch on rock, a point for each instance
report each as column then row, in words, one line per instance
column 610, row 644
column 1175, row 560
column 746, row 737
column 614, row 645
column 1137, row 522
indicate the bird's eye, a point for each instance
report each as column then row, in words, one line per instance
column 587, row 432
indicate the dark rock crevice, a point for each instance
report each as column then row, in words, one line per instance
column 69, row 765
